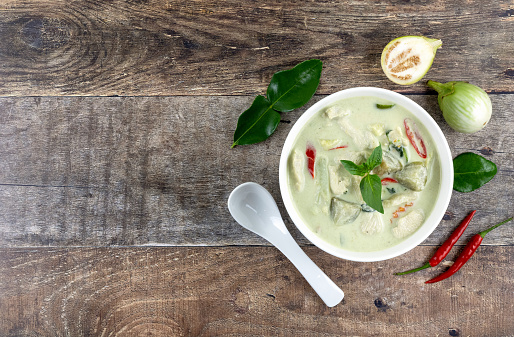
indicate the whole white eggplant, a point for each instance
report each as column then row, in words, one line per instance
column 466, row 107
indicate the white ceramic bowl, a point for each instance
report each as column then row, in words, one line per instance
column 446, row 164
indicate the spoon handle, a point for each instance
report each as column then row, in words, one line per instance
column 329, row 292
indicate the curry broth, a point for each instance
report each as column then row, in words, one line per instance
column 330, row 203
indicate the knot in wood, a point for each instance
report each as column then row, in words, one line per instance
column 44, row 33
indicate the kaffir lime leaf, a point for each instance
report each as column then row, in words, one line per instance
column 407, row 59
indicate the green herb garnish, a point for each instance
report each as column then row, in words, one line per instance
column 471, row 171
column 385, row 106
column 370, row 186
column 398, row 148
column 288, row 90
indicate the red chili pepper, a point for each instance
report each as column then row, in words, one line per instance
column 396, row 215
column 466, row 254
column 386, row 181
column 412, row 133
column 445, row 248
column 311, row 157
column 339, row 147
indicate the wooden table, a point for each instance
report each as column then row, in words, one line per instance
column 116, row 120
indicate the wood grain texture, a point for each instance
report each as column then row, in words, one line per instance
column 79, row 171
column 57, row 47
column 252, row 291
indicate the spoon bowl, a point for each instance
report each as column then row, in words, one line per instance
column 254, row 208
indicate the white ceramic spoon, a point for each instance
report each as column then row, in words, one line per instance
column 253, row 207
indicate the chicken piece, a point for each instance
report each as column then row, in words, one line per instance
column 339, row 179
column 298, row 167
column 413, row 176
column 398, row 142
column 336, row 112
column 371, row 223
column 400, row 199
column 389, row 164
column 328, row 144
column 322, row 183
column 355, row 189
column 343, row 212
column 362, row 139
column 377, row 129
column 353, row 156
column 408, row 224
column 396, row 138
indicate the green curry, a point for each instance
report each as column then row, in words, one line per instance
column 328, row 197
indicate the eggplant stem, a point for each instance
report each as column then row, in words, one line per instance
column 442, row 89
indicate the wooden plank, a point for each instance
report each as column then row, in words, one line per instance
column 56, row 47
column 129, row 171
column 250, row 291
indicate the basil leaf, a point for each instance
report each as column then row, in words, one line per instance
column 370, row 186
column 291, row 89
column 371, row 190
column 357, row 170
column 385, row 106
column 257, row 123
column 375, row 159
column 471, row 171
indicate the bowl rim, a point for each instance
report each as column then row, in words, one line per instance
column 446, row 167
